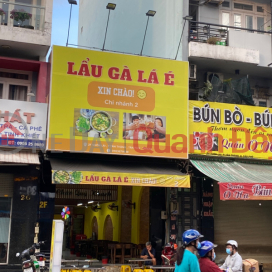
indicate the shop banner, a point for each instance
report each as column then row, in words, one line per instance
column 22, row 124
column 104, row 102
column 114, row 178
column 230, row 130
column 245, row 191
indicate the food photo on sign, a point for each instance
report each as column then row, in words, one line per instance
column 144, row 127
column 99, row 124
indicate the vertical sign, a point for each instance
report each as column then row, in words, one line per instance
column 207, row 210
column 56, row 245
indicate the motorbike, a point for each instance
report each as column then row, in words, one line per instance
column 169, row 254
column 32, row 259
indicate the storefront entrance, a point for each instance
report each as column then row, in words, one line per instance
column 5, row 215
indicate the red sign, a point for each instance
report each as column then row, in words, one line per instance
column 245, row 191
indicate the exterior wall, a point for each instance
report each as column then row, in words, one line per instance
column 127, row 25
column 228, row 53
column 135, row 217
column 246, row 40
column 144, row 216
column 17, row 34
column 126, row 215
column 40, row 75
column 101, row 216
column 242, row 39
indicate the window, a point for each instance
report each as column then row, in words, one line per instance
column 13, row 75
column 4, row 18
column 225, row 18
column 260, row 9
column 262, row 103
column 5, row 209
column 249, row 22
column 17, row 92
column 15, row 85
column 260, row 23
column 237, row 20
column 243, row 6
column 24, row 8
column 226, row 4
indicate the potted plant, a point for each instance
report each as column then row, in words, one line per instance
column 20, row 15
column 213, row 40
column 2, row 12
column 222, row 32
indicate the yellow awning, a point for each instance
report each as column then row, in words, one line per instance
column 102, row 172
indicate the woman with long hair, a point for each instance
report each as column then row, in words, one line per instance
column 186, row 259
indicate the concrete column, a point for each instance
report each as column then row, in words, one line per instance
column 41, row 88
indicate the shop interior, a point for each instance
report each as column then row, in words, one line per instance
column 110, row 223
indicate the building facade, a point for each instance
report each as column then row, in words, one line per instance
column 228, row 47
column 24, row 88
column 230, row 64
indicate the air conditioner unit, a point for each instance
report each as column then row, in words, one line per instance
column 215, row 2
column 192, row 71
column 210, row 75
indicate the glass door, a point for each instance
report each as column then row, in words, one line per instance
column 260, row 24
column 5, row 212
column 249, row 22
column 237, row 20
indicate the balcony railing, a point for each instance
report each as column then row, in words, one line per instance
column 22, row 15
column 214, row 33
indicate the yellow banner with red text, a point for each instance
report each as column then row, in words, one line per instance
column 112, row 103
column 115, row 178
column 230, row 130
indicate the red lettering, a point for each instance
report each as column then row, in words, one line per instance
column 140, row 76
column 113, row 75
column 70, row 69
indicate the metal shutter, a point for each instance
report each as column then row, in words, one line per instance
column 6, row 185
column 245, row 221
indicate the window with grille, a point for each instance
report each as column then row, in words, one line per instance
column 226, row 4
column 260, row 9
column 243, row 6
column 15, row 85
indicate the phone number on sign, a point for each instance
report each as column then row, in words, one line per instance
column 24, row 143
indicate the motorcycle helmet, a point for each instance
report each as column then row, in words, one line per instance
column 232, row 243
column 206, row 247
column 190, row 236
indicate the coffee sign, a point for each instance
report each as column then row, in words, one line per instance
column 22, row 124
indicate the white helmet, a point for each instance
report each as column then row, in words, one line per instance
column 232, row 243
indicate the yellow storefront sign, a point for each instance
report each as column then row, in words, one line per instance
column 114, row 178
column 230, row 130
column 104, row 102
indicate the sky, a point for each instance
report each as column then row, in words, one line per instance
column 61, row 13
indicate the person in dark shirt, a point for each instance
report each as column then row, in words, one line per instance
column 207, row 256
column 149, row 253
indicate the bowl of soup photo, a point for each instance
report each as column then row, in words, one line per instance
column 101, row 121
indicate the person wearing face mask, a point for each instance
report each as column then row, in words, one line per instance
column 207, row 256
column 186, row 259
column 234, row 260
